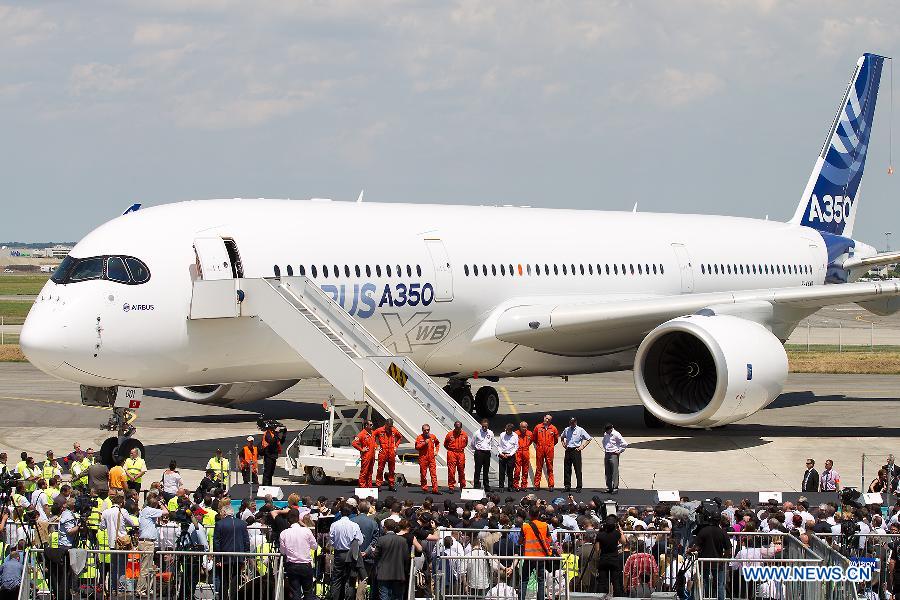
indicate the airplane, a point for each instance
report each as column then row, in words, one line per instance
column 698, row 306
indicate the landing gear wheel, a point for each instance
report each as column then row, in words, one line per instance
column 487, row 402
column 106, row 451
column 317, row 475
column 466, row 401
column 400, row 480
column 123, row 451
column 652, row 421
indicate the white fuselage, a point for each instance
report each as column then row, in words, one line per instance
column 104, row 333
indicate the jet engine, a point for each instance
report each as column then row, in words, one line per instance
column 227, row 394
column 704, row 371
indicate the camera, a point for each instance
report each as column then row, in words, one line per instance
column 264, row 424
column 182, row 515
column 709, row 512
column 8, row 480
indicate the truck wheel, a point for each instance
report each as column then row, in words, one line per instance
column 317, row 475
column 123, row 451
column 400, row 480
column 487, row 402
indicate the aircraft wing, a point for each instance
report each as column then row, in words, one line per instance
column 608, row 325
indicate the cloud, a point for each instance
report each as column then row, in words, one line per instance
column 675, row 88
column 24, row 26
column 158, row 34
column 98, row 78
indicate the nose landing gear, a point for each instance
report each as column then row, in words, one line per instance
column 124, row 403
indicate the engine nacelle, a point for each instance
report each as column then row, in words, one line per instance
column 705, row 371
column 226, row 394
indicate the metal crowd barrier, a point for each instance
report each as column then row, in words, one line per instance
column 477, row 577
column 56, row 574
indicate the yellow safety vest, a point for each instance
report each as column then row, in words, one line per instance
column 172, row 504
column 219, row 467
column 79, row 472
column 93, row 520
column 262, row 562
column 52, row 493
column 48, row 470
column 103, row 544
column 133, row 466
column 54, row 539
column 20, row 466
column 209, row 522
column 30, row 486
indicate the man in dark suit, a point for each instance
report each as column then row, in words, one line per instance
column 810, row 477
column 230, row 535
column 893, row 473
column 391, row 554
column 371, row 530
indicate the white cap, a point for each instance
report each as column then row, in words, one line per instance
column 249, row 438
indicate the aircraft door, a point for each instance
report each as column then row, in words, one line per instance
column 685, row 267
column 213, row 260
column 443, row 276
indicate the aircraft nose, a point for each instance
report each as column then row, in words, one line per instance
column 41, row 342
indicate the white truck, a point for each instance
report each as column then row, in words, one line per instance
column 321, row 459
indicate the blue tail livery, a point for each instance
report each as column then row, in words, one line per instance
column 829, row 201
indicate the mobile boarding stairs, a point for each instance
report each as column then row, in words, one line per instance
column 342, row 351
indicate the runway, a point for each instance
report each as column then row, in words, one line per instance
column 820, row 416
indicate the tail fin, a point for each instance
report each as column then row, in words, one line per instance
column 828, row 203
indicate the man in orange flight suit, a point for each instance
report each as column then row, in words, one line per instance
column 545, row 438
column 456, row 443
column 523, row 455
column 365, row 443
column 428, row 446
column 388, row 439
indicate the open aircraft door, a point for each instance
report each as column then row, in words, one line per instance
column 685, row 267
column 217, row 258
column 443, row 276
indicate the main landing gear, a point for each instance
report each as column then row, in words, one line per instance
column 118, row 447
column 486, row 400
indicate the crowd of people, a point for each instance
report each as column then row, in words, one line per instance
column 513, row 447
column 500, row 547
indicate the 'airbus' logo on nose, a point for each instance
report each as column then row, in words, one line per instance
column 130, row 307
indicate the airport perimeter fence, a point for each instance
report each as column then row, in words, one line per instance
column 852, row 336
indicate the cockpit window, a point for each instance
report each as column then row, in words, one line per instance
column 139, row 271
column 59, row 275
column 115, row 270
column 121, row 269
column 88, row 268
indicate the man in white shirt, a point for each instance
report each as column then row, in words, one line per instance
column 115, row 520
column 478, row 570
column 482, row 444
column 613, row 447
column 40, row 501
column 508, row 445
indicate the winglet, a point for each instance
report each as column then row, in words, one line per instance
column 360, row 199
column 133, row 208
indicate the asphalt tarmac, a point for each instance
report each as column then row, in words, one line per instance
column 840, row 417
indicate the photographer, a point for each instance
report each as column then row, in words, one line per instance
column 148, row 537
column 192, row 537
column 209, row 486
column 711, row 542
column 273, row 438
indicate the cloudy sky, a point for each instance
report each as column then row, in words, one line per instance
column 715, row 106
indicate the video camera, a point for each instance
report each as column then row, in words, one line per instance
column 182, row 516
column 709, row 512
column 8, row 480
column 265, row 423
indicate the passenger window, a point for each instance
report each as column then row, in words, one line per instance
column 387, row 269
column 378, row 270
column 537, row 269
column 616, row 269
column 475, row 270
column 325, row 271
column 368, row 271
column 607, row 269
column 528, row 269
column 346, row 270
column 590, row 269
column 315, row 272
column 418, row 270
column 337, row 271
column 466, row 270
column 640, row 271
column 87, row 268
column 632, row 269
column 302, row 270
column 358, row 272
column 290, row 271
column 494, row 270
column 139, row 271
column 408, row 271
column 503, row 269
column 564, row 270
column 277, row 271
column 116, row 271
column 661, row 270
column 573, row 269
column 581, row 268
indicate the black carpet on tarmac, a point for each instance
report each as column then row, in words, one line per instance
column 625, row 497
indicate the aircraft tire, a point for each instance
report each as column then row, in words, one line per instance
column 124, row 449
column 317, row 475
column 651, row 421
column 107, row 449
column 487, row 402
